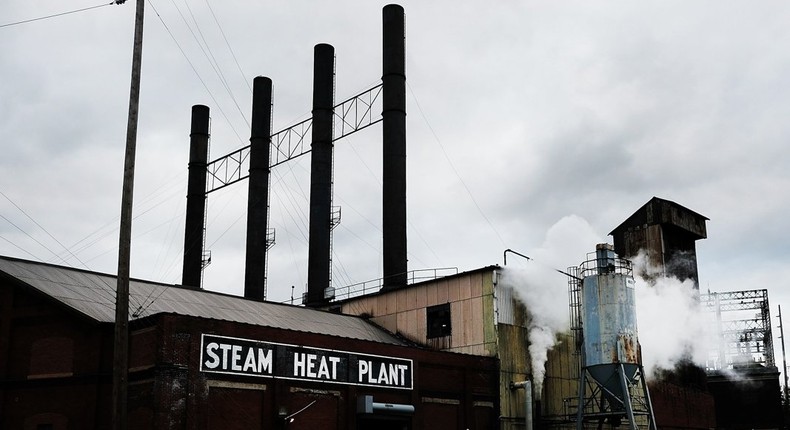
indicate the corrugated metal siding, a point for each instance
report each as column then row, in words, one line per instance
column 93, row 294
column 504, row 306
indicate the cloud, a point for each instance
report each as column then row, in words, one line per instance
column 542, row 109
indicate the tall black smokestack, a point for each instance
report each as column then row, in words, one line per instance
column 319, row 258
column 394, row 172
column 191, row 275
column 258, row 193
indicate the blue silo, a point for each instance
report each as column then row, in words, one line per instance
column 612, row 382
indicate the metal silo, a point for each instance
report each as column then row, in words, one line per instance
column 612, row 385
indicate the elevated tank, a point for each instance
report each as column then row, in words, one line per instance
column 609, row 319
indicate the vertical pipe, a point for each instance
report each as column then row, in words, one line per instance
column 258, row 193
column 528, row 401
column 319, row 252
column 394, row 143
column 528, row 404
column 196, row 198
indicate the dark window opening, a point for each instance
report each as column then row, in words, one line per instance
column 438, row 319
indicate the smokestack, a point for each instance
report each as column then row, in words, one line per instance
column 258, row 192
column 319, row 254
column 394, row 137
column 191, row 275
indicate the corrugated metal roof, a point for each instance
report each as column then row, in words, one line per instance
column 93, row 294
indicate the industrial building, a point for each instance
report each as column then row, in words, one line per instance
column 202, row 360
column 739, row 386
column 205, row 360
column 412, row 352
column 453, row 349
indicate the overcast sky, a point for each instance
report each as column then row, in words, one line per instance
column 527, row 122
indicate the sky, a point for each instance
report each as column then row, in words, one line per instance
column 521, row 116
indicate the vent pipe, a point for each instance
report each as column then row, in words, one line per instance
column 191, row 275
column 528, row 413
column 258, row 192
column 394, row 152
column 319, row 252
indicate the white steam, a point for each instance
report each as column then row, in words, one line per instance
column 544, row 290
column 672, row 326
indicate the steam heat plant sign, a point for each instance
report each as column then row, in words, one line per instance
column 228, row 355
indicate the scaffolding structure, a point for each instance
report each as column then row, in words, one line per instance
column 742, row 323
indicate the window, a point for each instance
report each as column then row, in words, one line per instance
column 438, row 319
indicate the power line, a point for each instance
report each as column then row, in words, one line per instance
column 172, row 36
column 59, row 14
column 204, row 47
column 447, row 157
column 243, row 76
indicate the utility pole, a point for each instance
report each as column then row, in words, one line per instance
column 784, row 357
column 121, row 348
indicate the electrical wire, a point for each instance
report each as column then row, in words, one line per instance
column 238, row 66
column 33, row 238
column 20, row 248
column 206, row 49
column 48, row 234
column 216, row 103
column 447, row 157
column 56, row 15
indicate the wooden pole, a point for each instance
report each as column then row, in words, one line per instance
column 784, row 358
column 121, row 349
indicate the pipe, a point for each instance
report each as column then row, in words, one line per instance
column 258, row 191
column 504, row 255
column 192, row 272
column 528, row 414
column 320, row 244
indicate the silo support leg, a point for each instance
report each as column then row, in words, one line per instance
column 652, row 423
column 627, row 399
column 580, row 408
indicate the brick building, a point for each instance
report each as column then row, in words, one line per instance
column 203, row 360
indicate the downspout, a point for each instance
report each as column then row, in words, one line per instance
column 527, row 386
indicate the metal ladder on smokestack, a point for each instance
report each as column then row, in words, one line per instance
column 334, row 221
column 206, row 258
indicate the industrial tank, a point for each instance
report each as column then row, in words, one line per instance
column 610, row 343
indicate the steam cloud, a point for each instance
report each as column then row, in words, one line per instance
column 672, row 327
column 544, row 291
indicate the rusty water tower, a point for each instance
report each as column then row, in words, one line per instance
column 612, row 387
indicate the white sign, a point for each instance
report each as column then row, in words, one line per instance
column 220, row 354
